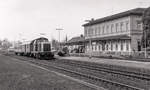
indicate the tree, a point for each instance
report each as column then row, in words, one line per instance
column 146, row 28
column 6, row 44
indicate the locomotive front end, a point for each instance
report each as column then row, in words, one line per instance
column 45, row 50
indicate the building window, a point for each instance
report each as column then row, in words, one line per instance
column 107, row 29
column 111, row 47
column 103, row 32
column 112, row 28
column 91, row 33
column 116, row 47
column 85, row 32
column 92, row 48
column 99, row 47
column 117, row 27
column 95, row 47
column 127, row 46
column 95, row 33
column 127, row 26
column 99, row 30
column 107, row 47
column 121, row 46
column 121, row 26
column 139, row 25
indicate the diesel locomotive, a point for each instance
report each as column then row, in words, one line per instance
column 38, row 48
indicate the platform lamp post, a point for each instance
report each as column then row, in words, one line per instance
column 59, row 29
column 90, row 42
column 145, row 36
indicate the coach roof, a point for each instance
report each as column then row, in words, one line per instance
column 136, row 11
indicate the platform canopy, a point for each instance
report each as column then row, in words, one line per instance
column 118, row 37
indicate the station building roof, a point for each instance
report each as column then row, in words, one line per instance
column 136, row 11
column 76, row 39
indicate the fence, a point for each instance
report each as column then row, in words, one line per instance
column 136, row 54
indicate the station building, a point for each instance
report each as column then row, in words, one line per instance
column 76, row 44
column 116, row 34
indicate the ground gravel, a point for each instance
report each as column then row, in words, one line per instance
column 18, row 75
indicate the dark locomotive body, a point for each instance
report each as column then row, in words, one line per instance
column 38, row 48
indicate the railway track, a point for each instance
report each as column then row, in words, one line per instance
column 142, row 76
column 109, row 84
column 124, row 77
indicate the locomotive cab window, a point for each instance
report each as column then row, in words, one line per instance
column 46, row 47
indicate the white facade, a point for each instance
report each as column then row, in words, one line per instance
column 109, row 28
column 130, row 26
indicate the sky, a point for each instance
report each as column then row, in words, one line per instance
column 26, row 19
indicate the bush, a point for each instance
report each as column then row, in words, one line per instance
column 110, row 57
column 61, row 53
column 65, row 50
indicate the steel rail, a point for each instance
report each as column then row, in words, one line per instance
column 109, row 70
column 91, row 77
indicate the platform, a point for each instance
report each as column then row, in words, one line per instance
column 126, row 63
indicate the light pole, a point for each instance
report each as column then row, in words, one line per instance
column 145, row 43
column 90, row 42
column 59, row 29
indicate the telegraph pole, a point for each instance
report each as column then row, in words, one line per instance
column 59, row 29
column 145, row 43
